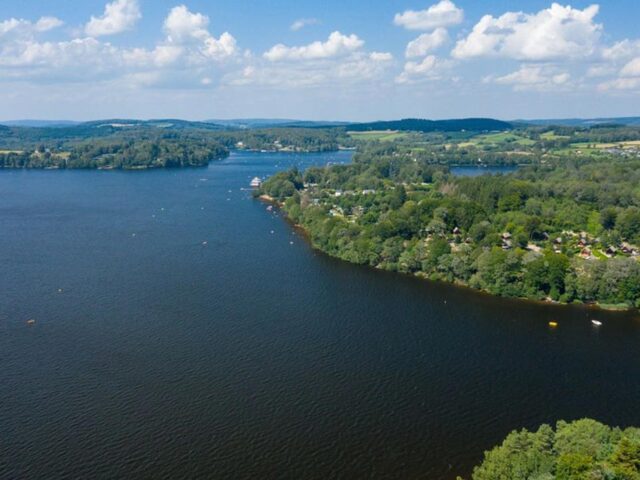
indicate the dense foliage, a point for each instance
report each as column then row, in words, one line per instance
column 564, row 229
column 420, row 125
column 580, row 450
column 132, row 144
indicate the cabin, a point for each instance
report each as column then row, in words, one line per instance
column 610, row 251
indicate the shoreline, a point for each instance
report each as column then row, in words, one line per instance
column 421, row 276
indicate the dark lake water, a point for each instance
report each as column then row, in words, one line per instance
column 252, row 356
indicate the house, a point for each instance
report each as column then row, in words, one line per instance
column 610, row 251
column 456, row 231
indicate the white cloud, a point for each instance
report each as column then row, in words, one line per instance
column 182, row 25
column 303, row 22
column 351, row 69
column 337, row 44
column 188, row 30
column 631, row 69
column 189, row 55
column 340, row 60
column 623, row 65
column 534, row 77
column 44, row 24
column 442, row 14
column 557, row 32
column 20, row 28
column 600, row 70
column 430, row 68
column 381, row 56
column 119, row 16
column 620, row 84
column 426, row 43
column 622, row 50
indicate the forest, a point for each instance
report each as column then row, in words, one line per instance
column 580, row 450
column 122, row 144
column 564, row 228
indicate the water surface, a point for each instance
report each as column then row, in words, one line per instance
column 251, row 355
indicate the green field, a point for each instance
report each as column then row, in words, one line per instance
column 379, row 135
column 497, row 139
column 552, row 136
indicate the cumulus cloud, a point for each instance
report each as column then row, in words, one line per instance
column 442, row 14
column 553, row 33
column 534, row 77
column 622, row 50
column 622, row 65
column 352, row 69
column 118, row 16
column 185, row 28
column 188, row 56
column 430, row 68
column 339, row 59
column 20, row 28
column 303, row 22
column 631, row 69
column 426, row 43
column 337, row 44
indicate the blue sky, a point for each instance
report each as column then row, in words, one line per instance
column 341, row 60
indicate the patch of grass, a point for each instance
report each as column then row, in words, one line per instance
column 380, row 135
column 552, row 136
column 498, row 139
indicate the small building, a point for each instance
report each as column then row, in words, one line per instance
column 585, row 253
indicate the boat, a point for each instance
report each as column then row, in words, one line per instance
column 597, row 323
column 553, row 324
column 256, row 182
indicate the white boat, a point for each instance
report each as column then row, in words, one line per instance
column 256, row 182
column 597, row 323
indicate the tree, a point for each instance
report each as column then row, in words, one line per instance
column 580, row 450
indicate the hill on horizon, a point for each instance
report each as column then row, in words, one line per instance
column 421, row 125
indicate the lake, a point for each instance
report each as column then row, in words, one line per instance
column 157, row 355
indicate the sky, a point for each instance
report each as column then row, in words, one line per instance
column 354, row 60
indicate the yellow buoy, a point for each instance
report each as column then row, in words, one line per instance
column 553, row 324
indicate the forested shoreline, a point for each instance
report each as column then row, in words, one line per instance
column 563, row 228
column 137, row 146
